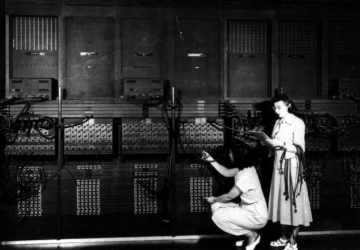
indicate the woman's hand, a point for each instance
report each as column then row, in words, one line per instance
column 207, row 157
column 275, row 143
column 210, row 199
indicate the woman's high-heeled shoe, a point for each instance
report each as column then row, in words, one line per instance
column 291, row 247
column 279, row 243
column 239, row 243
column 254, row 244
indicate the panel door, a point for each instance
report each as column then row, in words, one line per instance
column 299, row 59
column 90, row 57
column 344, row 50
column 34, row 47
column 143, row 48
column 248, row 59
column 197, row 59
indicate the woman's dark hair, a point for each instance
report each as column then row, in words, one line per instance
column 244, row 155
column 286, row 99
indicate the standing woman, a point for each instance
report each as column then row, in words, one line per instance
column 251, row 214
column 288, row 202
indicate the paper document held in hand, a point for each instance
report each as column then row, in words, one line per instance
column 259, row 135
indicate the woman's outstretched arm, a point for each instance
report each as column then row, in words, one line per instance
column 220, row 168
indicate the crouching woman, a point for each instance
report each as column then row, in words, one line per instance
column 250, row 214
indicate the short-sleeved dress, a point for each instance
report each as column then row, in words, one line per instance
column 291, row 130
column 251, row 214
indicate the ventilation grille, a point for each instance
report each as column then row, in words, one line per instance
column 247, row 36
column 298, row 37
column 35, row 33
column 344, row 37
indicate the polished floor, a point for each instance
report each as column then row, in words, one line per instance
column 305, row 242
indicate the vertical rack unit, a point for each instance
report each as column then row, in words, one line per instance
column 299, row 59
column 248, row 58
column 34, row 47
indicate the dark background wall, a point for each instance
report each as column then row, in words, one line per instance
column 2, row 72
column 136, row 182
column 247, row 49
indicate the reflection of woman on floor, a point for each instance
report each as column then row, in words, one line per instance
column 288, row 202
column 251, row 214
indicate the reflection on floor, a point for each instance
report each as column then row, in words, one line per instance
column 333, row 241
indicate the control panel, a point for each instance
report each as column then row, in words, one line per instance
column 349, row 141
column 31, row 144
column 200, row 187
column 354, row 186
column 29, row 191
column 198, row 134
column 23, row 88
column 144, row 88
column 94, row 137
column 88, row 191
column 144, row 136
column 313, row 185
column 342, row 88
column 88, row 197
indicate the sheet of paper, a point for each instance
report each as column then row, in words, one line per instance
column 259, row 135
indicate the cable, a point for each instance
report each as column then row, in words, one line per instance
column 146, row 102
column 87, row 118
column 71, row 175
column 57, row 172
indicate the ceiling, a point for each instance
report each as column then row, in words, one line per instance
column 189, row 3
